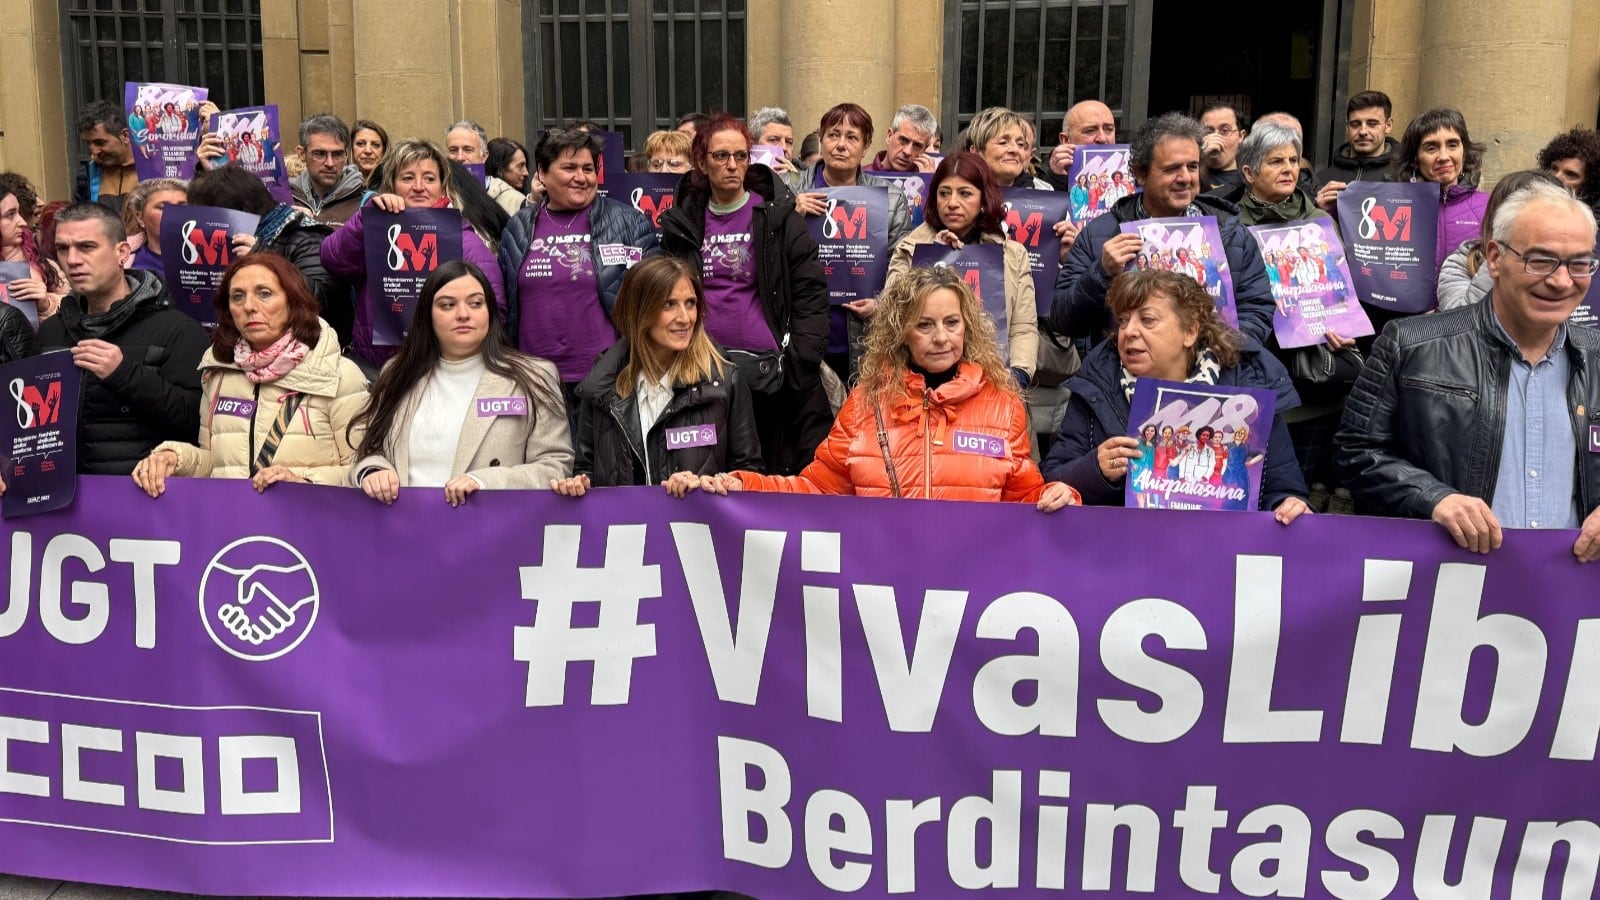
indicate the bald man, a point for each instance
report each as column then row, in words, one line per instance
column 1089, row 122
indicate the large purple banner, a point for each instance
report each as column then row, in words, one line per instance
column 254, row 142
column 39, row 441
column 1391, row 229
column 1310, row 283
column 651, row 193
column 852, row 236
column 403, row 249
column 196, row 249
column 1031, row 217
column 308, row 693
column 164, row 121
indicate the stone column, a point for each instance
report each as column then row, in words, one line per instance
column 33, row 125
column 1507, row 72
column 834, row 51
column 421, row 64
column 1385, row 53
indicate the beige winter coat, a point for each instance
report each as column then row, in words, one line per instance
column 314, row 444
column 1022, row 314
column 503, row 451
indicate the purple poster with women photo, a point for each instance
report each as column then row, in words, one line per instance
column 254, row 142
column 16, row 271
column 1310, row 283
column 648, row 192
column 403, row 249
column 983, row 268
column 1391, row 232
column 39, row 440
column 1100, row 176
column 1031, row 217
column 226, row 693
column 1200, row 445
column 196, row 248
column 852, row 236
column 917, row 188
column 1190, row 246
column 164, row 120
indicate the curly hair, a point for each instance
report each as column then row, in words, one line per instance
column 1194, row 307
column 1582, row 144
column 884, row 365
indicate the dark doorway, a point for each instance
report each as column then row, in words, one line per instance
column 1259, row 54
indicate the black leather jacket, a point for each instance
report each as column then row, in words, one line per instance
column 612, row 452
column 16, row 335
column 1427, row 417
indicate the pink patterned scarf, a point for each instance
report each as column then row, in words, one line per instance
column 272, row 363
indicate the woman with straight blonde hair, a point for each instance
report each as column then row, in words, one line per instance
column 662, row 405
column 935, row 413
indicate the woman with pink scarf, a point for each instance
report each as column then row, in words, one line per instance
column 277, row 396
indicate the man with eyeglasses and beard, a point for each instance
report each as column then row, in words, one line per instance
column 1488, row 417
column 331, row 187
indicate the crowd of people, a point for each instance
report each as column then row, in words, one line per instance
column 577, row 344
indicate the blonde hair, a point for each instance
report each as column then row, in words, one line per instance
column 645, row 291
column 884, row 365
column 139, row 198
column 668, row 143
column 988, row 124
column 410, row 151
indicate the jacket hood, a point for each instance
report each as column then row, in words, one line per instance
column 317, row 374
column 147, row 294
column 351, row 184
column 1346, row 158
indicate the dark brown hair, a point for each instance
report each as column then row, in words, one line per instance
column 303, row 309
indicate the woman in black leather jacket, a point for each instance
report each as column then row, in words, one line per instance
column 662, row 405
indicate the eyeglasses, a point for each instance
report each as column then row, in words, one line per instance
column 721, row 157
column 328, row 155
column 1225, row 131
column 1545, row 266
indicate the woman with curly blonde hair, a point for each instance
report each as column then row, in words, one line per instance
column 935, row 413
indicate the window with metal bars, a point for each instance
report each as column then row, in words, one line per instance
column 214, row 44
column 632, row 67
column 1037, row 57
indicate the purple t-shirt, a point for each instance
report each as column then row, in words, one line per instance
column 562, row 319
column 734, row 317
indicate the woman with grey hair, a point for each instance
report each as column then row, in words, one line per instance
column 1269, row 160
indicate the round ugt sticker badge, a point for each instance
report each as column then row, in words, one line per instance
column 259, row 598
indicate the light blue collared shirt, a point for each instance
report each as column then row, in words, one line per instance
column 1534, row 487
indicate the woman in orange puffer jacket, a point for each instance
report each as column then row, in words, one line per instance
column 935, row 415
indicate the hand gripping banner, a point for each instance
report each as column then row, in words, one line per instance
column 787, row 696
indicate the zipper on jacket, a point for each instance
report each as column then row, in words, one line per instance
column 1443, row 388
column 644, row 458
column 927, row 444
column 253, row 452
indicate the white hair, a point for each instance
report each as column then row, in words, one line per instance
column 469, row 125
column 1263, row 139
column 917, row 116
column 1511, row 208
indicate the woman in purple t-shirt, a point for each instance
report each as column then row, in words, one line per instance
column 766, row 298
column 564, row 256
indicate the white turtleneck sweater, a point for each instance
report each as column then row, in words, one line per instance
column 446, row 403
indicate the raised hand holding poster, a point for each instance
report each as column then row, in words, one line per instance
column 164, row 121
column 196, row 248
column 1100, row 177
column 254, row 142
column 403, row 249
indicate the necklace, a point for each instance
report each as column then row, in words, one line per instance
column 571, row 220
